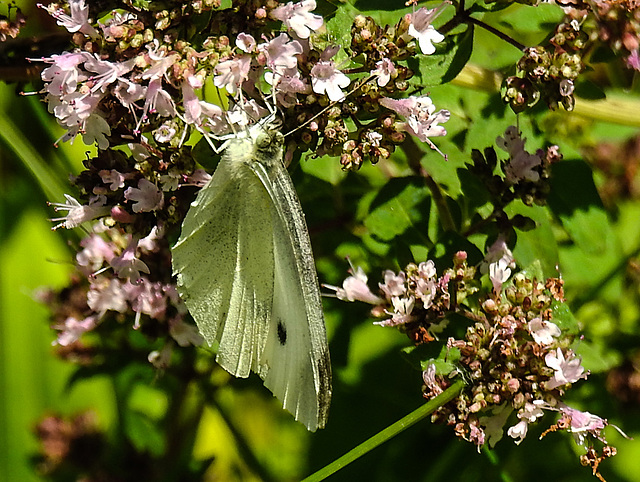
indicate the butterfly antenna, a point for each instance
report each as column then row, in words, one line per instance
column 360, row 84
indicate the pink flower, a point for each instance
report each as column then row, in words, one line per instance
column 230, row 74
column 112, row 177
column 77, row 213
column 542, row 331
column 106, row 294
column 422, row 30
column 583, row 424
column 385, row 70
column 147, row 197
column 95, row 252
column 421, row 119
column 498, row 263
column 402, row 308
column 355, row 288
column 127, row 266
column 246, row 42
column 568, row 370
column 393, row 284
column 72, row 329
column 78, row 21
column 281, row 53
column 64, row 74
column 298, row 17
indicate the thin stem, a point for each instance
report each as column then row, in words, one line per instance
column 464, row 16
column 496, row 32
column 388, row 433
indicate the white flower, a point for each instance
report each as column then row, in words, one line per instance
column 422, row 30
column 393, row 284
column 498, row 263
column 326, row 78
column 543, row 331
column 72, row 329
column 78, row 21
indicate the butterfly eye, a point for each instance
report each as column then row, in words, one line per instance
column 263, row 140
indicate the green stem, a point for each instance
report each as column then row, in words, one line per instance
column 388, row 433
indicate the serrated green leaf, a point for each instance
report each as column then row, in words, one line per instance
column 400, row 205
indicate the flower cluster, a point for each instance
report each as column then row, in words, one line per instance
column 11, row 28
column 515, row 358
column 138, row 86
column 548, row 72
column 524, row 175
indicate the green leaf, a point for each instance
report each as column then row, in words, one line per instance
column 575, row 200
column 444, row 65
column 144, row 434
column 536, row 244
column 402, row 204
column 563, row 317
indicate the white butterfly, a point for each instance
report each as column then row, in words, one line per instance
column 246, row 273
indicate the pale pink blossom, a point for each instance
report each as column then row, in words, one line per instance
column 584, row 424
column 78, row 21
column 298, row 17
column 394, row 285
column 421, row 29
column 326, row 78
column 230, row 74
column 246, row 43
column 422, row 120
column 78, row 213
column 542, row 331
column 281, row 53
column 385, row 71
column 146, row 197
column 567, row 370
column 95, row 251
column 113, row 178
column 402, row 309
column 498, row 263
column 430, row 381
column 355, row 288
column 127, row 265
column 106, row 294
column 73, row 329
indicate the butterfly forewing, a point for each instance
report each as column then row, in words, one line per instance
column 224, row 264
column 246, row 272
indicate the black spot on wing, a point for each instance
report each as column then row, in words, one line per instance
column 282, row 333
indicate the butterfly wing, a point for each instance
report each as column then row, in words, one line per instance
column 224, row 264
column 246, row 273
column 296, row 351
